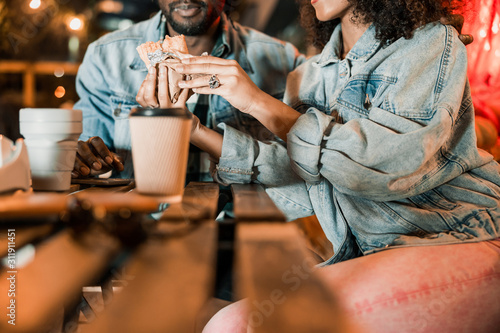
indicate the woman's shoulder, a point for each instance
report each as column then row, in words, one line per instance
column 434, row 49
column 433, row 38
column 310, row 65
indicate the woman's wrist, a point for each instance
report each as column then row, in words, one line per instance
column 258, row 104
column 197, row 134
column 207, row 140
column 275, row 115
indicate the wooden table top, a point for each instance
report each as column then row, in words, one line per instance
column 170, row 272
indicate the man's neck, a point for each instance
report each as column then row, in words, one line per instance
column 201, row 43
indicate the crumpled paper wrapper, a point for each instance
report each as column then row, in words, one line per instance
column 165, row 53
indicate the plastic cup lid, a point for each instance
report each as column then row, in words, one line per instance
column 171, row 112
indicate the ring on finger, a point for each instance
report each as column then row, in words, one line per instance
column 214, row 82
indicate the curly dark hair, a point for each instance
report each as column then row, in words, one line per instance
column 393, row 19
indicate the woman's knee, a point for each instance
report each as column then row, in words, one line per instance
column 231, row 319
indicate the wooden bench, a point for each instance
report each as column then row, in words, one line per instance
column 276, row 272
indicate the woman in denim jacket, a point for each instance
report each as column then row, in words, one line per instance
column 380, row 145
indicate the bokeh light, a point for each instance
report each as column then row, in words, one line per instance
column 35, row 4
column 75, row 24
column 60, row 92
column 59, row 72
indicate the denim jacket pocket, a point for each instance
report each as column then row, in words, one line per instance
column 364, row 91
column 431, row 211
column 400, row 224
column 433, row 200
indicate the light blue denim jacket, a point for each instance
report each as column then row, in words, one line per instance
column 112, row 72
column 385, row 153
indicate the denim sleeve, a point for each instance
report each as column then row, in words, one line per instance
column 295, row 58
column 386, row 156
column 95, row 101
column 245, row 160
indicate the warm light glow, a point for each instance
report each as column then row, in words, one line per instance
column 60, row 92
column 59, row 72
column 34, row 4
column 487, row 46
column 495, row 25
column 482, row 33
column 497, row 53
column 109, row 6
column 74, row 44
column 75, row 24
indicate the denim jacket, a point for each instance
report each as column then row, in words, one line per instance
column 385, row 153
column 112, row 72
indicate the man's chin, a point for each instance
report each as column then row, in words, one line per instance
column 188, row 23
column 188, row 30
column 189, row 27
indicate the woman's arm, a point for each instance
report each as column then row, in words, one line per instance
column 240, row 158
column 239, row 90
column 206, row 139
column 421, row 136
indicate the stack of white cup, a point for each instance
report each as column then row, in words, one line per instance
column 51, row 136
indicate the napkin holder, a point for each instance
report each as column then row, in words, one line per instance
column 14, row 166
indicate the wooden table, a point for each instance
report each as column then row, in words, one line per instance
column 169, row 272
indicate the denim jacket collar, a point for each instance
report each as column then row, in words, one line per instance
column 154, row 32
column 230, row 41
column 364, row 48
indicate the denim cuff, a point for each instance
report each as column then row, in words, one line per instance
column 237, row 158
column 304, row 144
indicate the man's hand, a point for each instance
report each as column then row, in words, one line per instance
column 457, row 21
column 154, row 91
column 94, row 158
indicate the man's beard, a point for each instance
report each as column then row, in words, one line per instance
column 191, row 28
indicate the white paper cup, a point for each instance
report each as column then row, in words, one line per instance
column 51, row 136
column 160, row 148
column 49, row 114
column 51, row 131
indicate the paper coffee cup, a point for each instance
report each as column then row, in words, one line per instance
column 160, row 147
column 51, row 136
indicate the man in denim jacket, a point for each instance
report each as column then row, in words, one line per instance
column 112, row 72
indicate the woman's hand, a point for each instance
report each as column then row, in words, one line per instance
column 239, row 90
column 154, row 91
column 235, row 85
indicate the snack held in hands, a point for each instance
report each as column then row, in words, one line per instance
column 162, row 53
column 170, row 49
